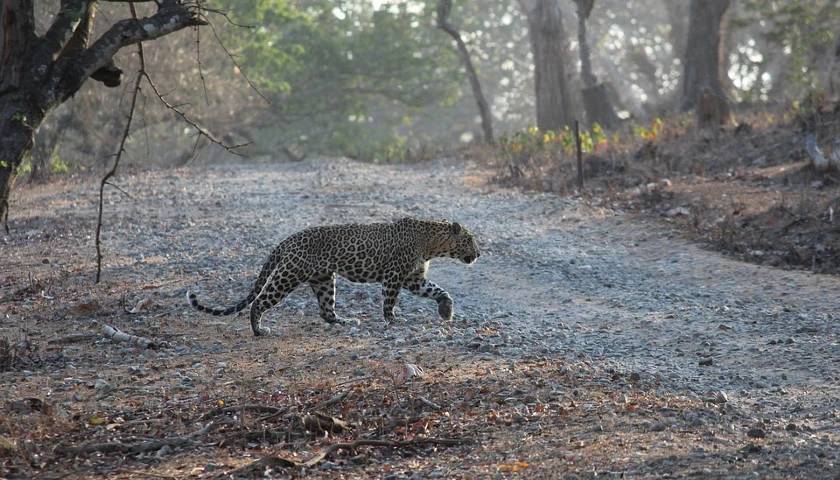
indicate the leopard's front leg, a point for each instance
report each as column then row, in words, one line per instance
column 422, row 287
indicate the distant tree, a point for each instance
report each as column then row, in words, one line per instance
column 704, row 60
column 343, row 78
column 595, row 96
column 40, row 72
column 834, row 68
column 444, row 7
column 549, row 47
column 796, row 41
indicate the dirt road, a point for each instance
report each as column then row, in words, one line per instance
column 558, row 279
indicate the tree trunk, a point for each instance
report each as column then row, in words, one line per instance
column 834, row 69
column 18, row 120
column 595, row 100
column 550, row 51
column 443, row 9
column 704, row 59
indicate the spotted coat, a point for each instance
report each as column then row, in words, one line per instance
column 394, row 254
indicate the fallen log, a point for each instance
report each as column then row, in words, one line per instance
column 117, row 335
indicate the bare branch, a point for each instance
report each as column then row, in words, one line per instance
column 235, row 63
column 201, row 130
column 444, row 8
column 198, row 61
column 140, row 73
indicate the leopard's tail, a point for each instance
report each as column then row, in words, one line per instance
column 191, row 298
column 267, row 271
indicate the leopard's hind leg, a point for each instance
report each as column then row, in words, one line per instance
column 324, row 290
column 280, row 284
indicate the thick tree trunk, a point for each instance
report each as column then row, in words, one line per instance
column 550, row 50
column 443, row 9
column 596, row 102
column 18, row 118
column 18, row 122
column 704, row 60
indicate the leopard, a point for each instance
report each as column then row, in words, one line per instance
column 396, row 254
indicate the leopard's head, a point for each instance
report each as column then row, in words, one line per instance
column 459, row 243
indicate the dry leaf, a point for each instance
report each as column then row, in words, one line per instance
column 97, row 420
column 407, row 371
column 513, row 467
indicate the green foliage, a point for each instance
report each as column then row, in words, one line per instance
column 532, row 141
column 343, row 78
column 803, row 31
column 57, row 165
column 25, row 167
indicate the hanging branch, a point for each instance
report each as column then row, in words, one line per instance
column 202, row 132
column 444, row 7
column 135, row 92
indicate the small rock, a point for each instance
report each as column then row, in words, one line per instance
column 756, row 433
column 658, row 427
column 706, row 362
column 751, row 448
column 635, row 377
column 101, row 385
column 164, row 451
column 791, row 427
column 677, row 211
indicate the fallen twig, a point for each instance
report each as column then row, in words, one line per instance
column 319, row 422
column 425, row 401
column 331, row 401
column 277, row 461
column 117, row 335
column 138, row 447
column 74, row 338
column 241, row 408
column 272, row 435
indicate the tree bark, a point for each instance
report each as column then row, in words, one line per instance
column 595, row 99
column 39, row 73
column 834, row 68
column 443, row 9
column 704, row 59
column 550, row 51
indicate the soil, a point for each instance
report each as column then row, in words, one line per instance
column 586, row 342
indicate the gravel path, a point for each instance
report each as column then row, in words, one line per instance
column 556, row 278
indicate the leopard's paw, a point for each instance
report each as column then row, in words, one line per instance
column 445, row 309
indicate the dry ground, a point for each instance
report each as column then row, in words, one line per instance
column 586, row 343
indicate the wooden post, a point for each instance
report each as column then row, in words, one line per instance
column 579, row 157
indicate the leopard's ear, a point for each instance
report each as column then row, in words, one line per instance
column 456, row 228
